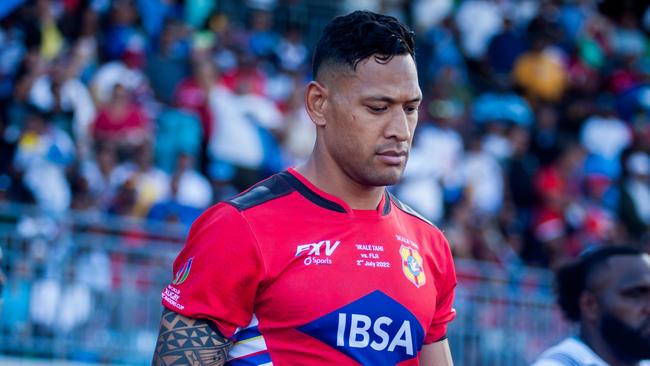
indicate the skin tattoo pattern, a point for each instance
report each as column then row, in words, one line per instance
column 185, row 341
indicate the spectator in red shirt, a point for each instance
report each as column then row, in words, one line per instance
column 192, row 93
column 121, row 121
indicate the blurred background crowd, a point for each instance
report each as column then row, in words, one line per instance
column 534, row 134
column 533, row 144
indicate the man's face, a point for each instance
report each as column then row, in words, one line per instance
column 371, row 115
column 625, row 307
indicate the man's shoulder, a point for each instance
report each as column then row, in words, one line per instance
column 272, row 188
column 406, row 209
column 230, row 212
column 569, row 352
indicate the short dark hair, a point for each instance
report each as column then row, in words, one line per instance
column 571, row 280
column 352, row 38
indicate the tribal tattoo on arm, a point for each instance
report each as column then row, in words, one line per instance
column 187, row 341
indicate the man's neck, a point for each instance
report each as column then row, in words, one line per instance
column 599, row 346
column 333, row 180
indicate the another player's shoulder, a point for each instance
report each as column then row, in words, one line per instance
column 274, row 187
column 569, row 352
column 403, row 207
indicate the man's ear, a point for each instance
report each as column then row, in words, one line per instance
column 316, row 99
column 589, row 307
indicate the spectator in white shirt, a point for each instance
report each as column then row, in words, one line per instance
column 607, row 292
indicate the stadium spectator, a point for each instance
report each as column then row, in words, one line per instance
column 237, row 148
column 67, row 100
column 607, row 293
column 168, row 65
column 97, row 176
column 540, row 72
column 298, row 133
column 126, row 71
column 634, row 205
column 483, row 178
column 192, row 94
column 556, row 185
column 604, row 137
column 192, row 188
column 478, row 21
column 147, row 183
column 190, row 194
column 291, row 51
column 43, row 153
column 263, row 40
column 505, row 47
column 178, row 131
column 521, row 168
column 122, row 122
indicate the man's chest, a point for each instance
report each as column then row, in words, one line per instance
column 338, row 277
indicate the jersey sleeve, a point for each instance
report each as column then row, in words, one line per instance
column 217, row 272
column 446, row 285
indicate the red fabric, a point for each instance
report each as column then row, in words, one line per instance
column 597, row 224
column 256, row 79
column 71, row 5
column 261, row 261
column 110, row 124
column 549, row 225
column 623, row 79
column 549, row 184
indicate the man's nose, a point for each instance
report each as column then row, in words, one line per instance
column 399, row 128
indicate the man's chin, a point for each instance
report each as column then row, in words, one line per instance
column 384, row 178
column 392, row 176
column 629, row 343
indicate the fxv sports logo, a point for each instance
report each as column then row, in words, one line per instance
column 317, row 253
column 374, row 330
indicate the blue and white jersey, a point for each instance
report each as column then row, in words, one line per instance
column 572, row 352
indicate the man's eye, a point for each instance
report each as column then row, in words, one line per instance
column 411, row 109
column 377, row 109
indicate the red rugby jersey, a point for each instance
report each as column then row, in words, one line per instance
column 296, row 277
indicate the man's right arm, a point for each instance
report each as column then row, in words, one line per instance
column 187, row 341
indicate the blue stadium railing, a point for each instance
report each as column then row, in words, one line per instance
column 86, row 287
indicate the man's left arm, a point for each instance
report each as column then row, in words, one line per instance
column 436, row 354
column 435, row 351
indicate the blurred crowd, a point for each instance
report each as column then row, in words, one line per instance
column 534, row 135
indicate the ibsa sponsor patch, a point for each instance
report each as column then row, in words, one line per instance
column 182, row 273
column 412, row 265
column 373, row 330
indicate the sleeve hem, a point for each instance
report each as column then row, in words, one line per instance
column 211, row 322
column 435, row 338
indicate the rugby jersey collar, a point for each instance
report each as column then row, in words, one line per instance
column 331, row 202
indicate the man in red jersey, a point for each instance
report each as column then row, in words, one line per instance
column 320, row 265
